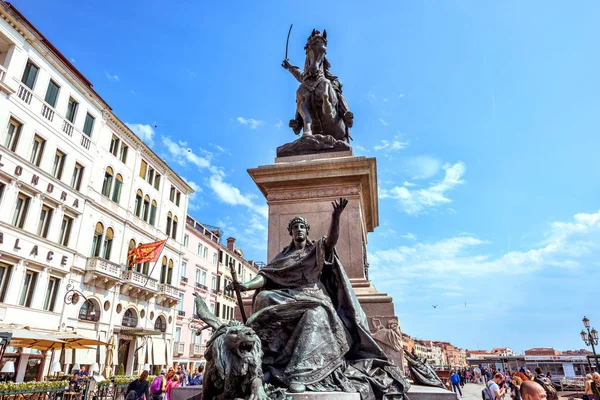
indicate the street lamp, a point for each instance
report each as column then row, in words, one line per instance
column 590, row 338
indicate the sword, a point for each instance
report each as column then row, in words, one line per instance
column 287, row 42
column 238, row 293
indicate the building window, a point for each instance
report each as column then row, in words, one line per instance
column 170, row 272
column 107, row 183
column 143, row 168
column 89, row 311
column 174, row 230
column 88, row 126
column 137, row 208
column 44, row 221
column 5, row 273
column 130, row 254
column 183, row 268
column 28, row 288
column 169, row 222
column 199, row 249
column 180, row 304
column 114, row 145
column 117, row 189
column 177, row 198
column 172, row 194
column 108, row 239
column 123, row 153
column 198, row 275
column 215, row 258
column 51, row 291
column 21, row 210
column 38, row 149
column 146, row 208
column 52, row 93
column 2, row 187
column 163, row 270
column 203, row 277
column 59, row 163
column 213, row 283
column 30, row 74
column 12, row 136
column 130, row 318
column 76, row 178
column 72, row 110
column 150, row 176
column 205, row 253
column 161, row 324
column 152, row 213
column 157, row 182
column 65, row 230
column 97, row 240
column 186, row 240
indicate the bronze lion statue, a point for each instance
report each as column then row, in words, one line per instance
column 233, row 360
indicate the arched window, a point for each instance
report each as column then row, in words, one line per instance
column 90, row 311
column 108, row 239
column 137, row 208
column 169, row 222
column 97, row 241
column 146, row 208
column 160, row 324
column 174, row 230
column 107, row 183
column 129, row 255
column 130, row 318
column 152, row 219
column 163, row 270
column 117, row 190
column 170, row 272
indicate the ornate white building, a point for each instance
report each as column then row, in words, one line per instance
column 78, row 189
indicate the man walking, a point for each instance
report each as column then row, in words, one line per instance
column 455, row 379
column 492, row 389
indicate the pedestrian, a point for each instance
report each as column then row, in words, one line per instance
column 158, row 386
column 455, row 379
column 140, row 387
column 174, row 383
column 528, row 375
column 492, row 388
column 516, row 387
column 587, row 392
column 531, row 390
column 595, row 385
column 463, row 377
column 543, row 381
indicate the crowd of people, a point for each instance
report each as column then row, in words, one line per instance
column 520, row 385
column 162, row 386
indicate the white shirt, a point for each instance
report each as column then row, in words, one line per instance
column 493, row 388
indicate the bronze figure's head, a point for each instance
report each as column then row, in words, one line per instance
column 298, row 228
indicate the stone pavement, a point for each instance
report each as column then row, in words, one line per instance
column 472, row 391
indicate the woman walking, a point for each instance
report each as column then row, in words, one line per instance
column 595, row 386
column 516, row 388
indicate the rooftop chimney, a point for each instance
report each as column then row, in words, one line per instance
column 230, row 243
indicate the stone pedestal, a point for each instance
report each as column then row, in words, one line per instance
column 323, row 396
column 306, row 186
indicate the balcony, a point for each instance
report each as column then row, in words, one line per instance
column 47, row 112
column 181, row 313
column 201, row 286
column 4, row 86
column 167, row 295
column 139, row 285
column 178, row 348
column 85, row 141
column 214, row 291
column 67, row 128
column 184, row 279
column 102, row 273
column 197, row 350
column 25, row 94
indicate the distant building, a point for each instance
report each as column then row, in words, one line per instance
column 477, row 353
column 408, row 344
column 422, row 351
column 580, row 352
column 541, row 351
column 503, row 351
column 462, row 358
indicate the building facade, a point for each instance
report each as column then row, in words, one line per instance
column 541, row 351
column 78, row 190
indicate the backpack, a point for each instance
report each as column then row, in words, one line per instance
column 546, row 383
column 486, row 394
column 131, row 395
column 156, row 386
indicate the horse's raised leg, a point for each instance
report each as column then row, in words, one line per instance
column 305, row 112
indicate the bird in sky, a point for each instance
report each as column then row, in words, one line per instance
column 434, row 306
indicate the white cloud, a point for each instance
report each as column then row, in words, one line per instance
column 360, row 148
column 229, row 194
column 279, row 124
column 193, row 199
column 414, row 202
column 422, row 167
column 250, row 122
column 401, row 95
column 184, row 155
column 111, row 77
column 383, row 122
column 408, row 184
column 143, row 131
column 385, row 100
column 409, row 236
column 390, row 146
column 72, row 60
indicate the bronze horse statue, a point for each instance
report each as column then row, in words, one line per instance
column 320, row 106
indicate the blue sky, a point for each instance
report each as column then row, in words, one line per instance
column 483, row 117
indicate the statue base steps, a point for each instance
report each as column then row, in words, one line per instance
column 324, row 395
column 417, row 392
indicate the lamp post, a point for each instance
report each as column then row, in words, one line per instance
column 590, row 338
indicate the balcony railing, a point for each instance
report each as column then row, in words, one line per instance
column 24, row 94
column 67, row 128
column 2, row 72
column 197, row 350
column 169, row 291
column 184, row 279
column 85, row 141
column 178, row 347
column 201, row 286
column 214, row 291
column 181, row 313
column 47, row 112
column 140, row 280
column 104, row 267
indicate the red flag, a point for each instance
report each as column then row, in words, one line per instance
column 148, row 252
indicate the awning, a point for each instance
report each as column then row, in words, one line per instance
column 159, row 352
column 140, row 331
column 86, row 357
